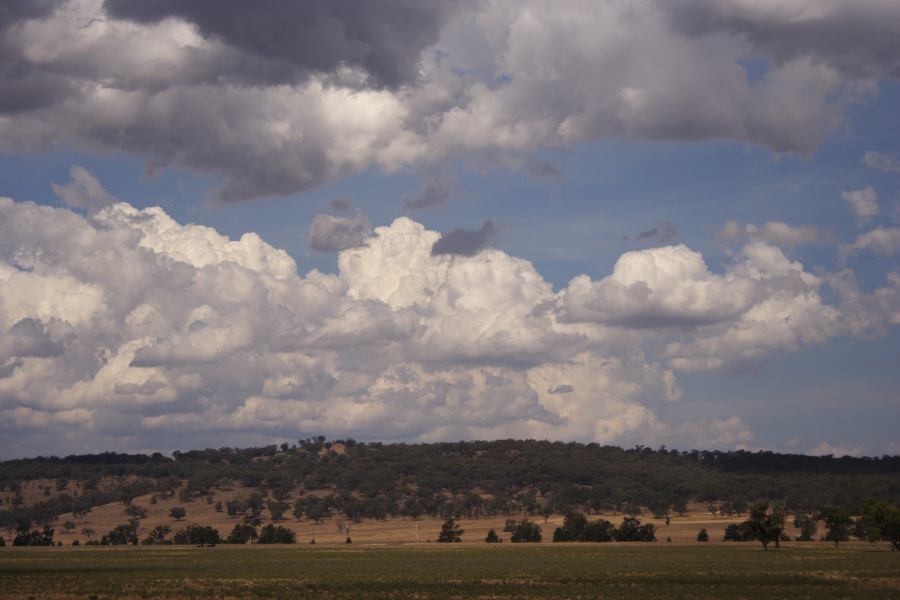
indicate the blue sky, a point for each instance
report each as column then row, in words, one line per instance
column 790, row 139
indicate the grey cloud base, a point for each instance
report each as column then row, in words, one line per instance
column 127, row 330
column 279, row 97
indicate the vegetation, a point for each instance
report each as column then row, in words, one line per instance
column 450, row 533
column 703, row 536
column 526, row 531
column 697, row 571
column 377, row 481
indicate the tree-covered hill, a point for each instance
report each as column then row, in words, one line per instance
column 376, row 480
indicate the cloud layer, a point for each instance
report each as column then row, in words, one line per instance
column 281, row 98
column 126, row 329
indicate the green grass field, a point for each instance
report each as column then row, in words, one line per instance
column 507, row 571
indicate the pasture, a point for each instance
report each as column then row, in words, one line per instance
column 455, row 571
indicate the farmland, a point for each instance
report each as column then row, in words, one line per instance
column 458, row 571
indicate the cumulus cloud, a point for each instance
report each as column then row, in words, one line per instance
column 464, row 242
column 863, row 203
column 774, row 232
column 333, row 234
column 877, row 160
column 280, row 98
column 125, row 329
column 83, row 191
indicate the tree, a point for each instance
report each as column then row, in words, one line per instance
column 526, row 531
column 449, row 532
column 807, row 526
column 546, row 511
column 158, row 534
column 219, row 506
column 277, row 510
column 178, row 513
column 136, row 512
column 68, row 526
column 197, row 535
column 88, row 532
column 492, row 537
column 26, row 537
column 881, row 520
column 703, row 536
column 738, row 532
column 631, row 530
column 120, row 536
column 766, row 526
column 276, row 534
column 242, row 534
column 3, row 541
column 837, row 522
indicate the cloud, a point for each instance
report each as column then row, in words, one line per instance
column 661, row 234
column 281, row 98
column 876, row 160
column 774, row 232
column 316, row 36
column 466, row 243
column 825, row 449
column 863, row 203
column 340, row 204
column 125, row 329
column 882, row 240
column 333, row 234
column 83, row 191
column 859, row 40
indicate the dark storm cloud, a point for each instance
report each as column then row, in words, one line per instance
column 466, row 243
column 15, row 11
column 29, row 337
column 860, row 39
column 384, row 37
column 661, row 234
column 333, row 234
column 340, row 204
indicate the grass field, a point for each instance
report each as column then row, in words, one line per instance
column 431, row 571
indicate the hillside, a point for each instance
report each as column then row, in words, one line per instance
column 388, row 492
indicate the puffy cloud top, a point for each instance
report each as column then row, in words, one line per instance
column 127, row 329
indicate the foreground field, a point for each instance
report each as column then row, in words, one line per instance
column 430, row 571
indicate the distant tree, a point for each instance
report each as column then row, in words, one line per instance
column 236, row 507
column 158, row 534
column 276, row 534
column 509, row 526
column 492, row 537
column 348, row 540
column 546, row 511
column 242, row 534
column 197, row 535
column 766, row 525
column 881, row 521
column 277, row 510
column 703, row 536
column 136, row 512
column 178, row 513
column 631, row 530
column 807, row 526
column 88, row 532
column 26, row 537
column 120, row 536
column 3, row 541
column 68, row 526
column 837, row 522
column 219, row 506
column 738, row 532
column 449, row 532
column 526, row 531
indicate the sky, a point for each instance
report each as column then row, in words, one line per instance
column 226, row 223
